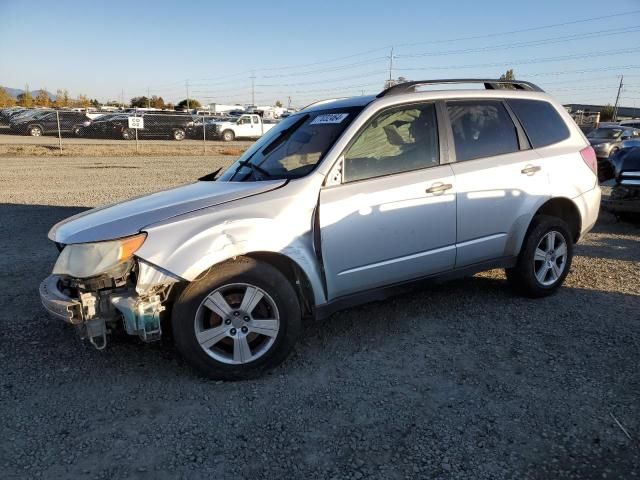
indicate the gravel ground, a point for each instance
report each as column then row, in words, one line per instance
column 464, row 380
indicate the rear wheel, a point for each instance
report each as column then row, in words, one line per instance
column 237, row 321
column 129, row 134
column 178, row 134
column 545, row 258
column 35, row 131
column 228, row 135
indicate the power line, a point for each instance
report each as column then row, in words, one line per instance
column 531, row 29
column 576, row 56
column 531, row 43
column 330, row 69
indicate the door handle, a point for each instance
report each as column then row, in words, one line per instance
column 530, row 169
column 439, row 188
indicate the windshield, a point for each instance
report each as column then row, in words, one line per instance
column 608, row 133
column 293, row 147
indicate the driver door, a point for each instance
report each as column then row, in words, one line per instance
column 392, row 217
column 244, row 128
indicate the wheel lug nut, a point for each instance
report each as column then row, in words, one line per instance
column 227, row 321
column 235, row 314
column 245, row 329
column 246, row 319
column 232, row 331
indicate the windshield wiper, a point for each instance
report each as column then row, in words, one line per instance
column 210, row 177
column 254, row 168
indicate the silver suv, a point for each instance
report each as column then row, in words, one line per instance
column 344, row 202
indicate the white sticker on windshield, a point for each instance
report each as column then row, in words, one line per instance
column 329, row 118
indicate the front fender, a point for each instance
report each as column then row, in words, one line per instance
column 277, row 222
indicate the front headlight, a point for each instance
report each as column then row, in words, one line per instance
column 83, row 260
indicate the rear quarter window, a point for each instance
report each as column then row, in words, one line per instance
column 541, row 121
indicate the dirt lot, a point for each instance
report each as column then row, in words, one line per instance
column 463, row 380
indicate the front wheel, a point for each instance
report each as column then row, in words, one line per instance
column 239, row 320
column 129, row 134
column 35, row 131
column 179, row 134
column 545, row 258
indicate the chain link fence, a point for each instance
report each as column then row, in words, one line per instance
column 127, row 132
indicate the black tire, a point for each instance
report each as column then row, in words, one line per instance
column 179, row 134
column 35, row 131
column 228, row 136
column 77, row 131
column 129, row 134
column 241, row 271
column 522, row 277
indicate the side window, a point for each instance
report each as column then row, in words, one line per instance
column 481, row 128
column 396, row 140
column 540, row 120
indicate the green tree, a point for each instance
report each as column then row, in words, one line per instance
column 157, row 102
column 62, row 98
column 193, row 103
column 279, row 104
column 6, row 100
column 25, row 99
column 606, row 114
column 95, row 103
column 508, row 75
column 140, row 102
column 42, row 99
column 82, row 101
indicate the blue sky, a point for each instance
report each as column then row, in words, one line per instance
column 311, row 50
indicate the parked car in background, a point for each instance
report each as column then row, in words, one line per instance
column 194, row 130
column 624, row 200
column 341, row 203
column 631, row 123
column 606, row 142
column 50, row 122
column 161, row 125
column 7, row 113
column 103, row 126
column 244, row 126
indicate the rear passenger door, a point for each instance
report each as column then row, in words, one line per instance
column 499, row 178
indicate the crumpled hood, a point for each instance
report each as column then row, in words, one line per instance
column 131, row 216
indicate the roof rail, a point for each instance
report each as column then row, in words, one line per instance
column 489, row 84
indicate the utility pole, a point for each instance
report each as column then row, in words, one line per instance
column 148, row 98
column 289, row 102
column 187, row 85
column 122, row 98
column 253, row 89
column 391, row 66
column 615, row 107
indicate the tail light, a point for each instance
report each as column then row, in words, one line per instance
column 589, row 156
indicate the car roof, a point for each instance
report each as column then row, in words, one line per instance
column 340, row 103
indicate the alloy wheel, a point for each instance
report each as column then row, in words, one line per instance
column 237, row 323
column 550, row 258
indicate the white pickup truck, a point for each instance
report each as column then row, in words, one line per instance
column 245, row 126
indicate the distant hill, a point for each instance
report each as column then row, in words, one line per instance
column 14, row 92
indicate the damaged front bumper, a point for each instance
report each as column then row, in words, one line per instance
column 94, row 310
